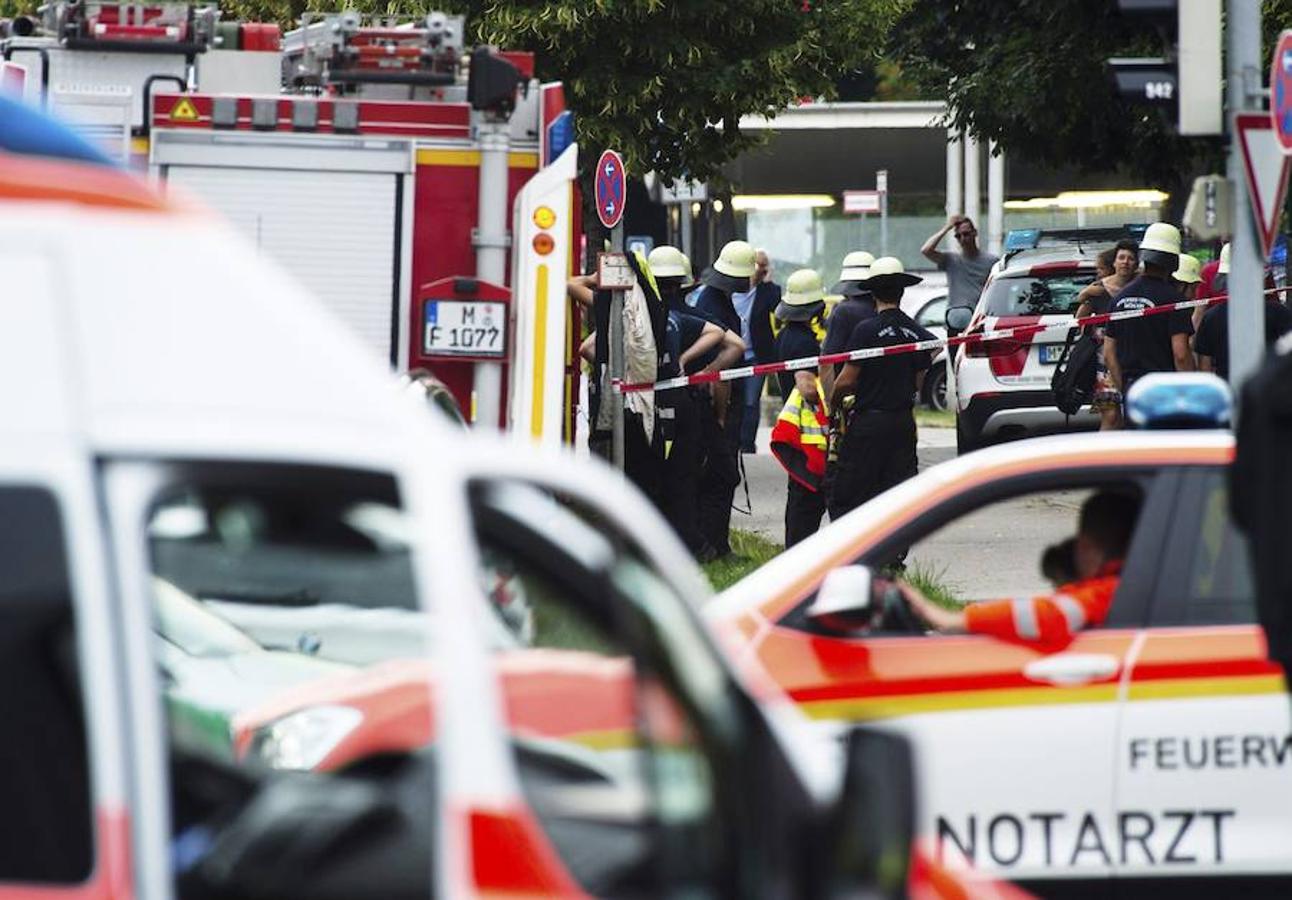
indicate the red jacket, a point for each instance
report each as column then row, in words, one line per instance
column 799, row 439
column 1050, row 618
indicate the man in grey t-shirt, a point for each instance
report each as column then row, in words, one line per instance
column 967, row 270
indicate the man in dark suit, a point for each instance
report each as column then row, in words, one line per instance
column 755, row 307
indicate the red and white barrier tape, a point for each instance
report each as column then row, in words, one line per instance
column 811, row 362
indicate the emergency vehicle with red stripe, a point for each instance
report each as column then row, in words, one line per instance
column 136, row 451
column 422, row 189
column 1062, row 747
column 1003, row 387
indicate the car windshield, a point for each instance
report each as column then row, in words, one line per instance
column 1036, row 295
column 187, row 624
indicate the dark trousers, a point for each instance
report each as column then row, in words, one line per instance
column 720, row 474
column 878, row 452
column 643, row 455
column 682, row 465
column 751, row 390
column 803, row 511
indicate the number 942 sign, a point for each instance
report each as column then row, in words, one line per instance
column 475, row 328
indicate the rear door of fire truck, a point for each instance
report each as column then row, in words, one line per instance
column 329, row 212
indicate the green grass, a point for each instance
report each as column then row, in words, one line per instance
column 749, row 550
column 935, row 418
column 931, row 584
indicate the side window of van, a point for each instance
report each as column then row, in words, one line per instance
column 611, row 759
column 46, row 833
column 1212, row 583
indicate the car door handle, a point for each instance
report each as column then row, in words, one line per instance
column 1072, row 668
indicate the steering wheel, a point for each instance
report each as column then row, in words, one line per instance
column 897, row 615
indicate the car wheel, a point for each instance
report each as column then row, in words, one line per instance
column 935, row 389
column 966, row 440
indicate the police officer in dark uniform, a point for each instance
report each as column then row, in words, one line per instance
column 730, row 274
column 873, row 438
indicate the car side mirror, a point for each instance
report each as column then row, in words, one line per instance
column 958, row 318
column 846, row 599
column 872, row 827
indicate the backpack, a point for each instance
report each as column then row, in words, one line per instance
column 1073, row 381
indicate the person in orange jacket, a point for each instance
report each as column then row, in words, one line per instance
column 1104, row 529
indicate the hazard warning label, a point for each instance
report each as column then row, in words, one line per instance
column 184, row 111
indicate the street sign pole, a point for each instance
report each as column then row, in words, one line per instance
column 685, row 240
column 611, row 193
column 881, row 185
column 617, row 359
column 1246, row 310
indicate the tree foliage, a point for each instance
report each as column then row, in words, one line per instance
column 667, row 81
column 664, row 81
column 1032, row 76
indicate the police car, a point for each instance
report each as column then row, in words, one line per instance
column 1003, row 386
column 1153, row 749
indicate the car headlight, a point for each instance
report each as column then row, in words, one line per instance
column 303, row 739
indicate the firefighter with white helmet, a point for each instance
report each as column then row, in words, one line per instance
column 799, row 437
column 729, row 274
column 1135, row 347
column 873, row 430
column 692, row 344
column 857, row 305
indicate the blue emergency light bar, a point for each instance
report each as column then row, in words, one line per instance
column 1179, row 400
column 30, row 132
column 1030, row 238
column 1021, row 239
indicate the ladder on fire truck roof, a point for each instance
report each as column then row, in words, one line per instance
column 156, row 27
column 96, row 62
column 342, row 50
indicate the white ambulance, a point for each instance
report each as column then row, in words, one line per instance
column 163, row 421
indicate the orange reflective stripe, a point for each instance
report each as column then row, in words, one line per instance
column 41, row 180
column 991, row 617
column 1048, row 619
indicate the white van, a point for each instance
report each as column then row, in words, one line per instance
column 185, row 435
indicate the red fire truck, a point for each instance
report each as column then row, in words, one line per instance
column 423, row 191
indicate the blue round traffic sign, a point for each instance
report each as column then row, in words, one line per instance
column 1281, row 91
column 611, row 190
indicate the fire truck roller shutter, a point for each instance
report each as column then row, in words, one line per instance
column 334, row 231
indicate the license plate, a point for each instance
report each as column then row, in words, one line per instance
column 1051, row 353
column 464, row 328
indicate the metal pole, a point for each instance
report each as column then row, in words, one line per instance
column 973, row 180
column 685, row 244
column 955, row 171
column 616, row 344
column 881, row 185
column 491, row 257
column 995, row 200
column 1246, row 266
column 883, row 224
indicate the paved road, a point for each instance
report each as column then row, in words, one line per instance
column 991, row 554
column 767, row 480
